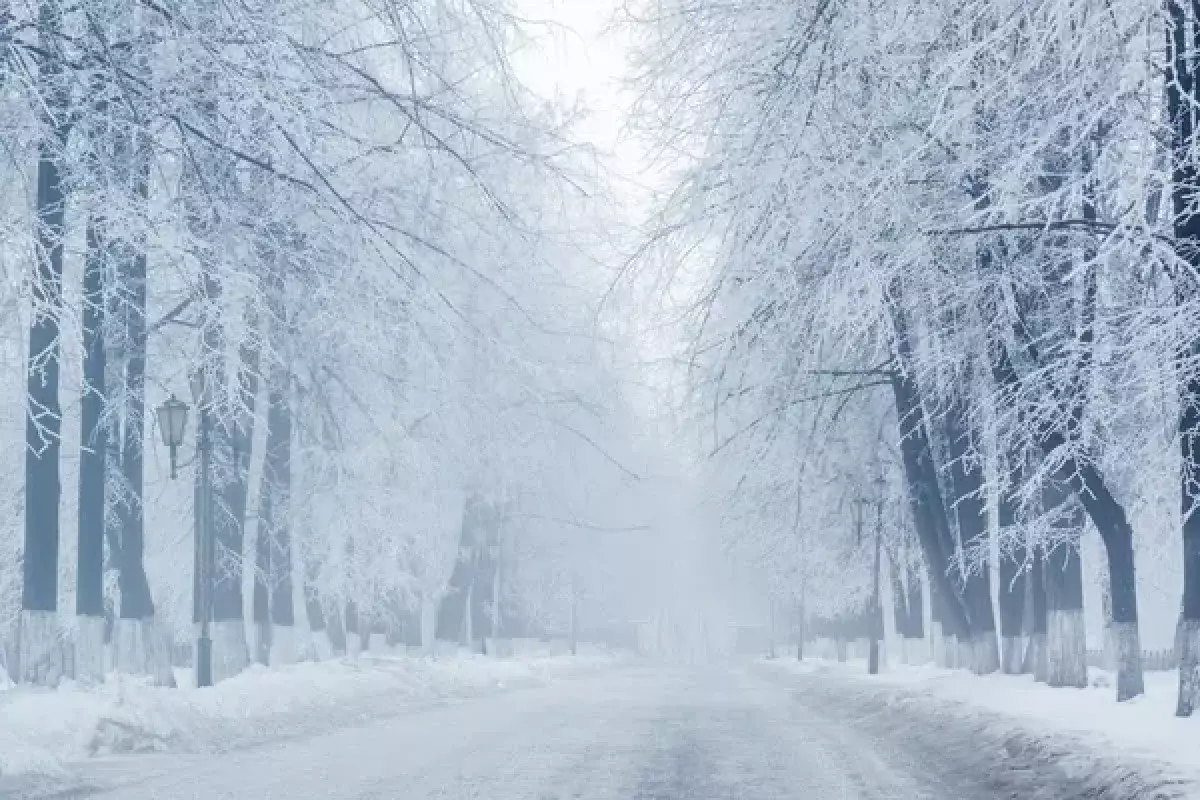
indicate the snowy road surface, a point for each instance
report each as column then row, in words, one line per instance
column 636, row 734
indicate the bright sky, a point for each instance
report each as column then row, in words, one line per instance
column 579, row 57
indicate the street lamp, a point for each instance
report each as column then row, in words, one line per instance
column 880, row 484
column 172, row 421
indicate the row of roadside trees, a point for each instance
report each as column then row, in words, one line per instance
column 337, row 232
column 954, row 246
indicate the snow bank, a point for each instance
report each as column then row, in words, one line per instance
column 1139, row 745
column 43, row 730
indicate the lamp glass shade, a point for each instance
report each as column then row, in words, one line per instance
column 172, row 421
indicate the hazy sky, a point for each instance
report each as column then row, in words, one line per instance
column 581, row 57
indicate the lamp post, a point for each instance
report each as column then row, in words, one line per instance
column 202, row 395
column 876, row 610
column 172, row 422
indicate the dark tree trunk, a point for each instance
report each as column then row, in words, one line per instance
column 40, row 658
column 966, row 482
column 89, row 597
column 920, row 471
column 136, row 601
column 262, row 572
column 1035, row 655
column 278, row 476
column 93, row 455
column 231, row 474
column 453, row 610
column 1013, row 575
column 1108, row 515
column 314, row 608
column 916, row 605
column 1182, row 95
column 1066, row 641
column 264, row 567
column 900, row 610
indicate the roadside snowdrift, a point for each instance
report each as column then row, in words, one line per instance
column 1110, row 751
column 41, row 730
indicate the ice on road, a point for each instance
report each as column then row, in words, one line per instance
column 636, row 734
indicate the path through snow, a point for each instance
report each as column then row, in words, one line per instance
column 634, row 734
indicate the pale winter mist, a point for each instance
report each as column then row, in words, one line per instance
column 600, row 399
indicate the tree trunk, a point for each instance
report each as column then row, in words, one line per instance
column 920, row 471
column 352, row 638
column 1108, row 515
column 262, row 570
column 232, row 444
column 40, row 654
column 484, row 574
column 1066, row 636
column 966, row 482
column 336, row 631
column 93, row 453
column 278, row 476
column 1036, row 654
column 142, row 651
column 900, row 611
column 454, row 610
column 1183, row 91
column 1011, row 592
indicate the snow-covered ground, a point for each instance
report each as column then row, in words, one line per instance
column 1139, row 742
column 654, row 731
column 43, row 731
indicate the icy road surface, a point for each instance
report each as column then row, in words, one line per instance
column 635, row 734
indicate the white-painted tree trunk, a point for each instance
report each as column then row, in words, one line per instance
column 937, row 644
column 40, row 653
column 320, row 647
column 264, row 638
column 966, row 653
column 230, row 654
column 1066, row 648
column 163, row 662
column 1110, row 647
column 428, row 624
column 949, row 651
column 1041, row 665
column 8, row 660
column 1012, row 654
column 985, row 653
column 143, row 647
column 283, row 645
column 89, row 649
column 129, row 646
column 1187, row 650
column 1129, row 660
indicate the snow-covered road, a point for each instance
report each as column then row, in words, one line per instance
column 633, row 734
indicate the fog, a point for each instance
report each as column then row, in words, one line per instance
column 532, row 399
